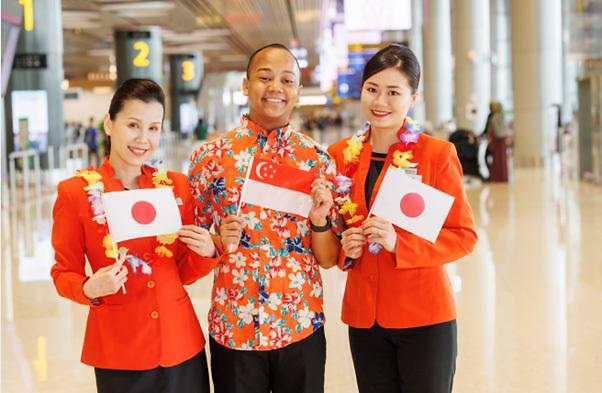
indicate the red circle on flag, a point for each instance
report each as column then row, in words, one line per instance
column 412, row 205
column 143, row 212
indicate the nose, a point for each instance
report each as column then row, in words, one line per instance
column 142, row 134
column 380, row 98
column 275, row 85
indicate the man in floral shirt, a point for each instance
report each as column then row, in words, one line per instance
column 266, row 318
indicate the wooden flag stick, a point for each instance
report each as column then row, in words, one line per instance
column 244, row 186
column 117, row 259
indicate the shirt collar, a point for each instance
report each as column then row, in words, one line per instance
column 258, row 131
column 108, row 173
column 365, row 134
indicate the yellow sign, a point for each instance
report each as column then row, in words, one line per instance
column 27, row 14
column 141, row 60
column 187, row 70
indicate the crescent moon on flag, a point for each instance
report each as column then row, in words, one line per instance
column 258, row 169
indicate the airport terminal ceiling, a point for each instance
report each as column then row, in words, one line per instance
column 226, row 31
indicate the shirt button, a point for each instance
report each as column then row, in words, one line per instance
column 150, row 284
column 155, row 315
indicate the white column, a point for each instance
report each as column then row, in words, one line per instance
column 417, row 48
column 536, row 77
column 569, row 67
column 437, row 61
column 501, row 67
column 472, row 72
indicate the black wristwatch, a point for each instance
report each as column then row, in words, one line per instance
column 322, row 228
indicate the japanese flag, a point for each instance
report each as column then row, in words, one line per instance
column 141, row 213
column 279, row 187
column 411, row 205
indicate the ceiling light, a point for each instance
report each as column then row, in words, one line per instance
column 101, row 52
column 139, row 6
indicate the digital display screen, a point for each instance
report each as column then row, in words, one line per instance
column 30, row 61
column 378, row 15
column 139, row 34
column 30, row 119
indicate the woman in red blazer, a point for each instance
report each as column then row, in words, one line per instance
column 148, row 339
column 398, row 300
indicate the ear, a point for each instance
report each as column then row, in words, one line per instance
column 299, row 93
column 245, row 86
column 415, row 97
column 107, row 124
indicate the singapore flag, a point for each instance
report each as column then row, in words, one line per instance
column 278, row 187
column 411, row 205
column 140, row 213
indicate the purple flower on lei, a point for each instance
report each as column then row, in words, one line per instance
column 343, row 184
column 409, row 137
column 374, row 248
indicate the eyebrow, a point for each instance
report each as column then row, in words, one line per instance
column 270, row 70
column 135, row 118
column 389, row 86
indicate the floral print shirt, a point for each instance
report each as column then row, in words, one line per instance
column 268, row 293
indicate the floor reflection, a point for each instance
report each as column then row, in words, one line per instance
column 528, row 297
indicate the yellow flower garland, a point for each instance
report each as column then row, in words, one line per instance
column 95, row 185
column 351, row 154
column 401, row 159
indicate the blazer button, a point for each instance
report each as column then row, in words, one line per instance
column 155, row 315
column 150, row 284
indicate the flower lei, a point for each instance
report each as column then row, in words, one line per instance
column 408, row 134
column 95, row 189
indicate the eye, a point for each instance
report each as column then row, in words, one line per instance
column 155, row 129
column 394, row 93
column 289, row 82
column 133, row 125
column 264, row 78
column 370, row 89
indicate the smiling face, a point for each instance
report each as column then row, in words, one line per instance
column 386, row 98
column 135, row 132
column 272, row 87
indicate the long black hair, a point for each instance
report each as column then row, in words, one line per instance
column 395, row 56
column 144, row 90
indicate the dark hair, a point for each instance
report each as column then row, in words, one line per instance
column 270, row 46
column 394, row 56
column 144, row 90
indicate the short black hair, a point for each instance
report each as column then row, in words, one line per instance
column 270, row 46
column 145, row 90
column 396, row 56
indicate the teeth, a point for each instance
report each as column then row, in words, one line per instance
column 379, row 112
column 276, row 100
column 137, row 149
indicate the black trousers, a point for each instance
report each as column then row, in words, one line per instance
column 190, row 376
column 296, row 368
column 416, row 360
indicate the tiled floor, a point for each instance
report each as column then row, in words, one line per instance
column 529, row 298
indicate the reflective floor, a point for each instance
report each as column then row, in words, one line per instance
column 529, row 297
